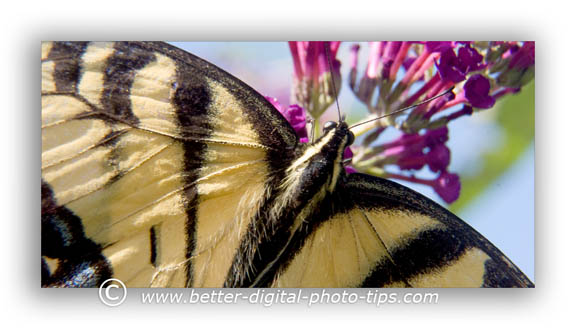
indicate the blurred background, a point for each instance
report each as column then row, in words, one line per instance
column 492, row 150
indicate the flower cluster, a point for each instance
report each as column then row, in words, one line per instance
column 317, row 78
column 406, row 74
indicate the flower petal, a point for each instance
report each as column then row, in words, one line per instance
column 449, row 67
column 447, row 185
column 477, row 92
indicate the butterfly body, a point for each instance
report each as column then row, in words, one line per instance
column 160, row 169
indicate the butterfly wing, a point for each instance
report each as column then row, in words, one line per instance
column 153, row 162
column 382, row 234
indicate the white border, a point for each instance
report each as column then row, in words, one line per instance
column 25, row 23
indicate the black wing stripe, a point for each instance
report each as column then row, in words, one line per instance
column 67, row 56
column 119, row 74
column 494, row 276
column 192, row 101
column 431, row 249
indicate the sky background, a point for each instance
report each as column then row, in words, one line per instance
column 504, row 214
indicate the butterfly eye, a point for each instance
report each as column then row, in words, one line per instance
column 351, row 138
column 329, row 125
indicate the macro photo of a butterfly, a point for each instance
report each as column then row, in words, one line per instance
column 162, row 170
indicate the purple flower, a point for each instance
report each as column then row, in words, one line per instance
column 520, row 66
column 385, row 59
column 466, row 110
column 413, row 151
column 438, row 158
column 470, row 59
column 408, row 62
column 454, row 68
column 407, row 144
column 372, row 68
column 411, row 160
column 477, row 92
column 354, row 49
column 447, row 186
column 316, row 73
column 524, row 57
column 295, row 115
column 348, row 153
column 438, row 46
column 437, row 136
column 439, row 104
column 449, row 67
column 310, row 61
column 391, row 51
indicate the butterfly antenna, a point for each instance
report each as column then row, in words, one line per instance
column 327, row 50
column 406, row 108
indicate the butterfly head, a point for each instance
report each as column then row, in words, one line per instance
column 342, row 134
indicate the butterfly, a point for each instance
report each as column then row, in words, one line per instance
column 162, row 170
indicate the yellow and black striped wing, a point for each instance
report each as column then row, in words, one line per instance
column 153, row 163
column 376, row 233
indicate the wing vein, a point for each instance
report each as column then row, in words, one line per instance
column 388, row 254
column 356, row 241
